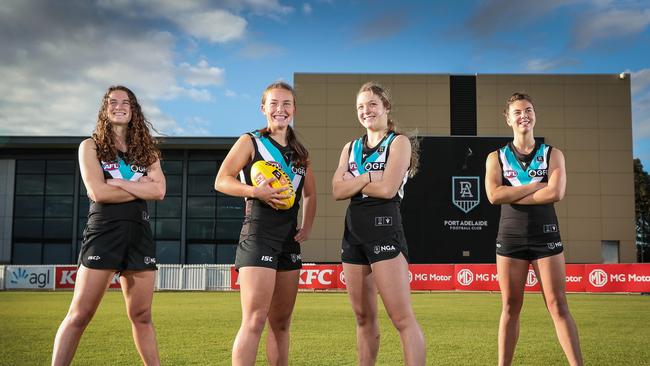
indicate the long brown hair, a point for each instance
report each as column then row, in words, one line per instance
column 300, row 153
column 141, row 146
column 383, row 94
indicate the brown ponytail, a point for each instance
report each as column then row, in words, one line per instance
column 300, row 153
column 383, row 94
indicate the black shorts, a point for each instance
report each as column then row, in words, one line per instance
column 529, row 252
column 374, row 251
column 269, row 254
column 118, row 245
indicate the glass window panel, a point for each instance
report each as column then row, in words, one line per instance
column 226, row 253
column 57, row 254
column 229, row 229
column 200, row 206
column 201, row 253
column 84, row 205
column 200, row 229
column 59, row 184
column 169, row 207
column 168, row 252
column 30, row 184
column 174, row 185
column 201, row 184
column 58, row 206
column 230, row 207
column 168, row 228
column 27, row 253
column 28, row 206
column 82, row 188
column 28, row 228
column 57, row 228
column 60, row 166
column 202, row 167
column 172, row 167
column 30, row 166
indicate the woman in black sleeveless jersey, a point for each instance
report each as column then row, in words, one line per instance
column 526, row 178
column 120, row 167
column 371, row 173
column 268, row 255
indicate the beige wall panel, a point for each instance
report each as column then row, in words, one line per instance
column 335, row 227
column 580, row 95
column 614, row 94
column 489, row 116
column 486, row 94
column 312, row 137
column 616, row 161
column 343, row 78
column 545, row 79
column 582, row 139
column 384, row 79
column 617, row 183
column 438, row 78
column 617, row 206
column 486, row 79
column 561, row 208
column 615, row 139
column 581, row 161
column 438, row 94
column 342, row 115
column 618, row 229
column 549, row 117
column 552, row 136
column 439, row 131
column 333, row 156
column 583, row 184
column 313, row 250
column 335, row 208
column 322, row 197
column 410, row 79
column 323, row 181
column 514, row 79
column 333, row 250
column 613, row 79
column 583, row 206
column 311, row 115
column 408, row 94
column 582, row 79
column 583, row 228
column 318, row 159
column 485, row 131
column 342, row 94
column 337, row 137
column 315, row 93
column 504, row 91
column 627, row 251
column 438, row 117
column 580, row 117
column 318, row 229
column 615, row 117
column 547, row 94
column 300, row 78
column 411, row 117
column 585, row 251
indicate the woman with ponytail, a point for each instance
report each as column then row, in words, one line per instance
column 268, row 256
column 372, row 173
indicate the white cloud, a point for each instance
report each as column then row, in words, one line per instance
column 306, row 9
column 610, row 23
column 218, row 26
column 543, row 65
column 229, row 93
column 193, row 126
column 640, row 80
column 202, row 74
column 260, row 50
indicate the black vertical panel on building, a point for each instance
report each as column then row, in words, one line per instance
column 462, row 95
column 437, row 229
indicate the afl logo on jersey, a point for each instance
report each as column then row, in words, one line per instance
column 374, row 166
column 510, row 174
column 537, row 173
column 352, row 166
column 138, row 169
column 111, row 165
column 300, row 171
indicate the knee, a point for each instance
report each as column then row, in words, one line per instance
column 402, row 320
column 140, row 316
column 254, row 323
column 365, row 317
column 512, row 306
column 558, row 308
column 280, row 322
column 79, row 318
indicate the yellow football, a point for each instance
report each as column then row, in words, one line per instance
column 263, row 170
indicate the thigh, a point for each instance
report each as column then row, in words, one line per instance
column 551, row 272
column 137, row 288
column 512, row 275
column 284, row 293
column 256, row 285
column 90, row 286
column 392, row 279
column 360, row 284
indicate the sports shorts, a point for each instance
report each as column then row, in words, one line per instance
column 118, row 245
column 374, row 251
column 529, row 252
column 265, row 253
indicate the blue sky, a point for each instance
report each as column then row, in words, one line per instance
column 199, row 66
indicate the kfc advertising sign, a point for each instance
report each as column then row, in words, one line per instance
column 324, row 276
column 67, row 275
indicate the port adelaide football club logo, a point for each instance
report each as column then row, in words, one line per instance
column 465, row 192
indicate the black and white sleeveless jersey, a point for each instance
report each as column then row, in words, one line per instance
column 136, row 210
column 526, row 224
column 369, row 218
column 261, row 220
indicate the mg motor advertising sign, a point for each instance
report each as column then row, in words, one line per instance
column 617, row 277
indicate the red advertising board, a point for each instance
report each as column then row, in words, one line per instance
column 575, row 278
column 617, row 277
column 67, row 275
column 431, row 276
column 476, row 277
column 320, row 276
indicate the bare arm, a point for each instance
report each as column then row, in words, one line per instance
column 345, row 188
column 393, row 175
column 554, row 190
column 93, row 177
column 227, row 182
column 153, row 188
column 308, row 207
column 499, row 194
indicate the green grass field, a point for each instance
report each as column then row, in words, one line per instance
column 198, row 329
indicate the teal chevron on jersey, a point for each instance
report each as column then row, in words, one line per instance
column 378, row 154
column 514, row 171
column 121, row 169
column 271, row 153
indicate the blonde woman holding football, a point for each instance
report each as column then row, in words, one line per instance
column 268, row 255
column 372, row 173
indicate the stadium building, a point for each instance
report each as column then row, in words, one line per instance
column 447, row 216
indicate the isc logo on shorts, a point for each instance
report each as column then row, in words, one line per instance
column 94, row 257
column 266, row 258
